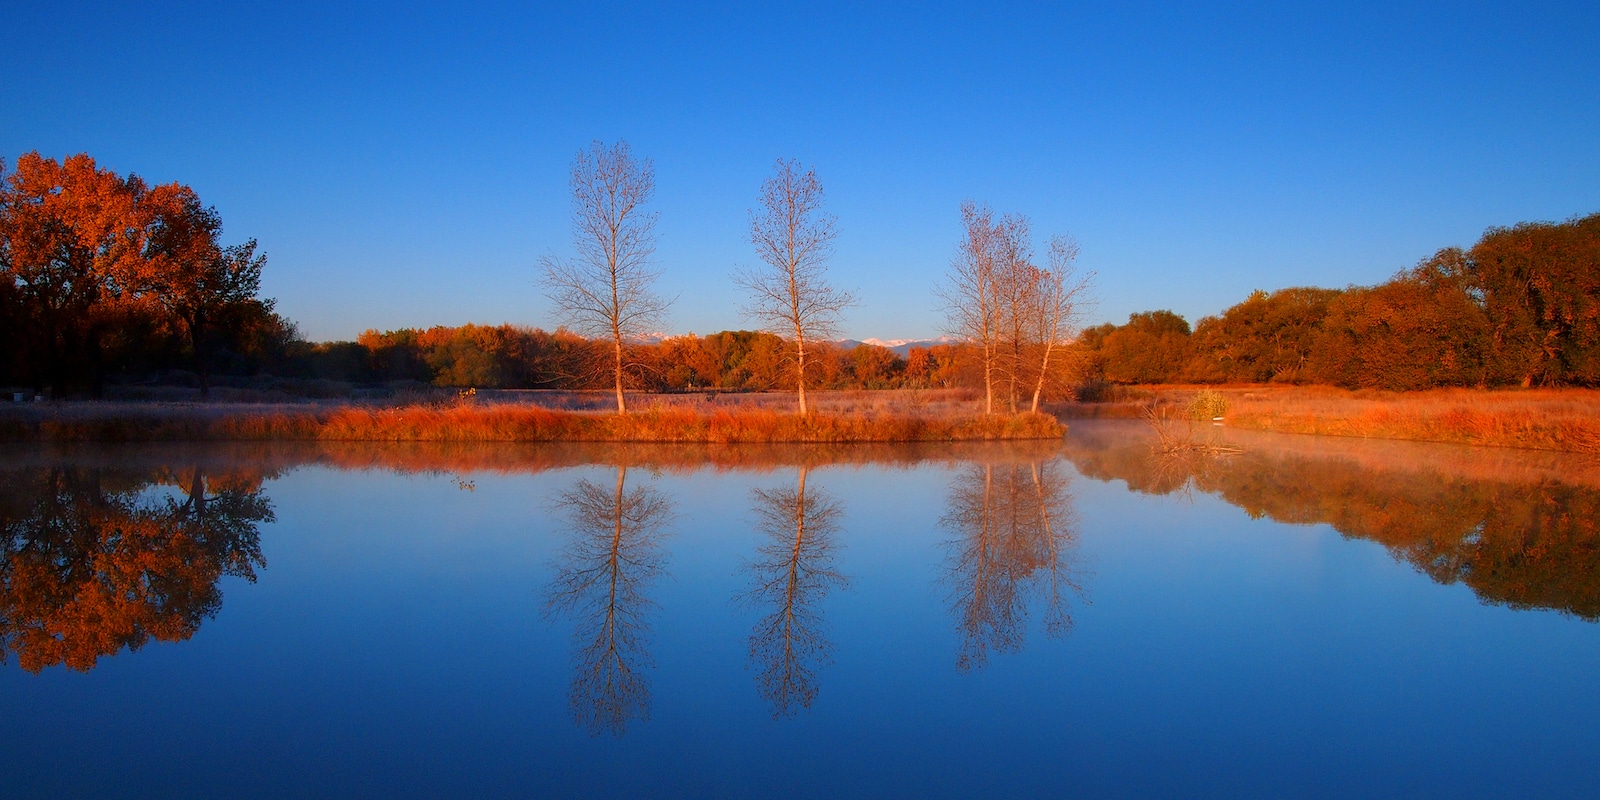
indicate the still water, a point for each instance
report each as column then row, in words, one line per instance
column 1078, row 618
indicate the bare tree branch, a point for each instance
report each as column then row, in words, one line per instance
column 605, row 293
column 791, row 297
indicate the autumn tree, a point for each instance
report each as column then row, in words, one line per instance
column 972, row 292
column 1419, row 330
column 191, row 274
column 1151, row 348
column 1054, row 305
column 792, row 234
column 606, row 291
column 1539, row 283
column 1016, row 283
column 1269, row 337
column 98, row 272
column 73, row 234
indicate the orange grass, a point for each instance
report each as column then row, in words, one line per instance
column 1540, row 419
column 503, row 423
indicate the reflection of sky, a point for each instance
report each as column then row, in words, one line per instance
column 394, row 644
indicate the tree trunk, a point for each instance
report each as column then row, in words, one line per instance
column 1044, row 368
column 800, row 369
column 988, row 379
column 622, row 406
column 197, row 341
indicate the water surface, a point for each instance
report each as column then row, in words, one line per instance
column 1310, row 616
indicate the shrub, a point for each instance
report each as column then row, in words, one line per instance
column 1207, row 404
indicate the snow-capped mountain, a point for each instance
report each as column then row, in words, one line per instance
column 901, row 347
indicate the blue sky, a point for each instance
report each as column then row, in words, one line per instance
column 407, row 166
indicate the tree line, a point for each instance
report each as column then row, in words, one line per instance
column 512, row 356
column 1521, row 307
column 106, row 278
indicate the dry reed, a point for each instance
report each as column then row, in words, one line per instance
column 503, row 423
column 1541, row 419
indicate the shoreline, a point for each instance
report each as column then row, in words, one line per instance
column 93, row 422
column 1563, row 420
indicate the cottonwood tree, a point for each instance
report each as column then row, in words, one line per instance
column 1057, row 301
column 73, row 233
column 193, row 277
column 1016, row 316
column 605, row 292
column 790, row 296
column 972, row 292
column 1016, row 280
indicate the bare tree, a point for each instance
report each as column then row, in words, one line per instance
column 1017, row 315
column 613, row 557
column 972, row 292
column 794, row 236
column 1016, row 289
column 1015, row 529
column 793, row 573
column 605, row 293
column 1059, row 298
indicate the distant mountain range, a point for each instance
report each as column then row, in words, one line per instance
column 901, row 347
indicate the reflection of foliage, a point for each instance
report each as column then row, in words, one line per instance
column 1014, row 525
column 89, row 566
column 613, row 556
column 1525, row 544
column 792, row 574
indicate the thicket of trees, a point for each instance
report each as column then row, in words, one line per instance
column 1013, row 315
column 103, row 275
column 1519, row 308
column 510, row 356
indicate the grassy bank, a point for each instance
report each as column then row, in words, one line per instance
column 118, row 422
column 1540, row 419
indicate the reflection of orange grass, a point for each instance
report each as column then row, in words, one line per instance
column 172, row 463
column 506, row 423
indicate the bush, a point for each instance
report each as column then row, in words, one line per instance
column 1207, row 404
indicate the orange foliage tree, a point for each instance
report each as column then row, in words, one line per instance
column 89, row 566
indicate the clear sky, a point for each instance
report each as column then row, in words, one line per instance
column 408, row 166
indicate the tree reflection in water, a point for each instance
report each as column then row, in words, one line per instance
column 91, row 563
column 614, row 555
column 793, row 571
column 1522, row 529
column 1014, row 527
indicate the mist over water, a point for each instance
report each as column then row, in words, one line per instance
column 1307, row 617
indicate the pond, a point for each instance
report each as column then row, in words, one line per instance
column 1304, row 617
